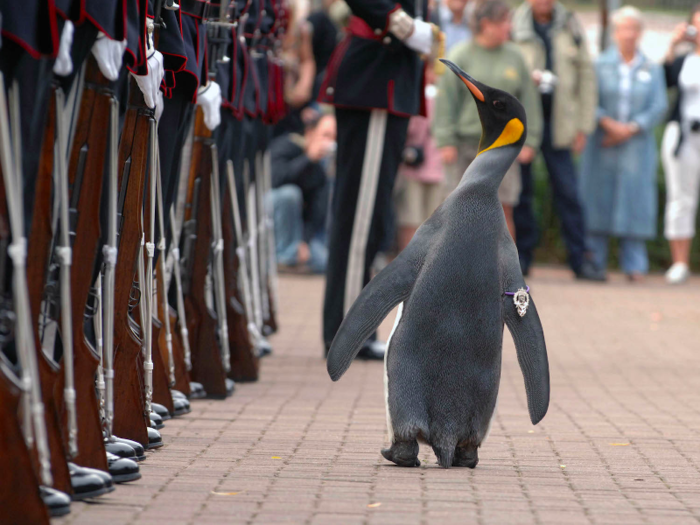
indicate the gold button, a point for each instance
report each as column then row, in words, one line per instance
column 387, row 40
column 377, row 32
column 330, row 91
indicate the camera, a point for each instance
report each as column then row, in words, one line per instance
column 691, row 33
column 546, row 80
column 695, row 126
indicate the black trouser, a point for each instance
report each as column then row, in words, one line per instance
column 563, row 178
column 353, row 128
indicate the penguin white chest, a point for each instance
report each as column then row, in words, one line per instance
column 389, row 426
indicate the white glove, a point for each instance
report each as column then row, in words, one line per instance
column 109, row 54
column 421, row 40
column 159, row 106
column 209, row 98
column 64, row 64
column 149, row 84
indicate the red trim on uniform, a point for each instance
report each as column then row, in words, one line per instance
column 23, row 44
column 390, row 101
column 98, row 26
column 360, row 28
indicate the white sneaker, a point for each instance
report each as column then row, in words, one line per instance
column 677, row 273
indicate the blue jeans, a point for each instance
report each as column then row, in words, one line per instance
column 288, row 202
column 288, row 205
column 633, row 253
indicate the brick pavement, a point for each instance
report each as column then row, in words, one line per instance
column 620, row 444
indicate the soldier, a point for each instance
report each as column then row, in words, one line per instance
column 375, row 82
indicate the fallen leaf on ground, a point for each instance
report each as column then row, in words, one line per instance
column 276, row 457
column 619, row 444
column 224, row 493
column 530, row 431
column 374, row 505
column 562, row 466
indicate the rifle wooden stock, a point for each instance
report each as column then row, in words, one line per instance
column 19, row 488
column 207, row 367
column 182, row 376
column 161, row 384
column 130, row 418
column 87, row 157
column 245, row 364
column 38, row 256
column 161, row 387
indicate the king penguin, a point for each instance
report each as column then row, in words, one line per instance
column 454, row 285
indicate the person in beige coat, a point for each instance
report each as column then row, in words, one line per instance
column 553, row 43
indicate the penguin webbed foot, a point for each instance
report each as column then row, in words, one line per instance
column 467, row 456
column 403, row 453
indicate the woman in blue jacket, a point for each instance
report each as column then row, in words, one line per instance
column 618, row 175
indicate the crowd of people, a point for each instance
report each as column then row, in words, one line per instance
column 602, row 110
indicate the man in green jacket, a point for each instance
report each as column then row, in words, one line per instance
column 554, row 45
column 497, row 63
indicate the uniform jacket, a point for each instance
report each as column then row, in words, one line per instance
column 618, row 184
column 376, row 70
column 575, row 94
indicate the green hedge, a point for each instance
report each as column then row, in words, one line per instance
column 551, row 247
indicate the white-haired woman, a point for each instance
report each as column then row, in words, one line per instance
column 618, row 175
column 680, row 150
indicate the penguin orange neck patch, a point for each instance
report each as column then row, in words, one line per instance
column 510, row 135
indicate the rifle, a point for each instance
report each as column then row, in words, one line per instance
column 182, row 376
column 245, row 362
column 130, row 417
column 268, row 214
column 86, row 168
column 10, row 160
column 19, row 491
column 109, row 252
column 207, row 365
column 38, row 256
column 159, row 383
column 165, row 342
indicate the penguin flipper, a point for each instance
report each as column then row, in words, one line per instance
column 390, row 287
column 532, row 356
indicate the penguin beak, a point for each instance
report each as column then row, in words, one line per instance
column 472, row 84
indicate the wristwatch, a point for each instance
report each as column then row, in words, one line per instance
column 634, row 127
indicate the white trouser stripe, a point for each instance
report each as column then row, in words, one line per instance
column 365, row 206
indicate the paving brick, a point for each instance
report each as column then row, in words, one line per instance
column 620, row 444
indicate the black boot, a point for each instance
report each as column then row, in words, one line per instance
column 122, row 470
column 161, row 410
column 120, row 449
column 197, row 390
column 156, row 420
column 57, row 502
column 139, row 451
column 154, row 439
column 182, row 405
column 88, row 482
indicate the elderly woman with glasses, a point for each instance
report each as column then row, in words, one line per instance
column 618, row 175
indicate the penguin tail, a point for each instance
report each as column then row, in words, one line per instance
column 445, row 450
column 390, row 287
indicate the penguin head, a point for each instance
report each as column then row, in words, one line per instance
column 502, row 116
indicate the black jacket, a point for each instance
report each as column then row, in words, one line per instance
column 376, row 70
